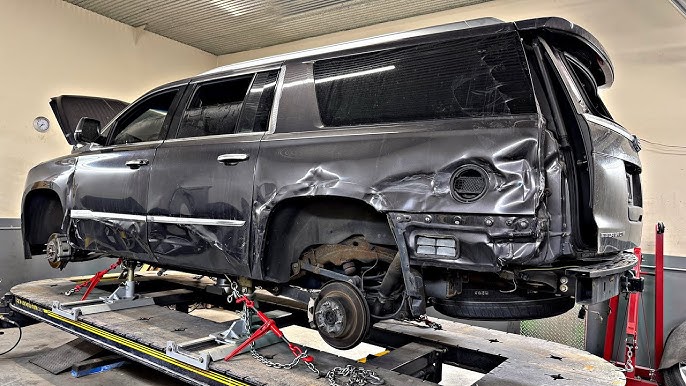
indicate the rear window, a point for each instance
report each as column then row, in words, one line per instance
column 470, row 77
column 588, row 87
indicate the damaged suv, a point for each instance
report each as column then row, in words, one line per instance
column 471, row 167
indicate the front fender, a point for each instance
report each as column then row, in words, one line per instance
column 56, row 176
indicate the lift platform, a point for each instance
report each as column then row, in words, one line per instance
column 415, row 355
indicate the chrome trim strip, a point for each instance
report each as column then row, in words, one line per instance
column 608, row 124
column 245, row 137
column 243, row 71
column 277, row 100
column 124, row 146
column 86, row 214
column 195, row 221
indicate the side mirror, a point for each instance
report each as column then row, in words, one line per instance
column 87, row 130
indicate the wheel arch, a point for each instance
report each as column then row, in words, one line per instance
column 42, row 214
column 296, row 223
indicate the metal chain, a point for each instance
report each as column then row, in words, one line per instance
column 102, row 273
column 425, row 322
column 628, row 365
column 357, row 376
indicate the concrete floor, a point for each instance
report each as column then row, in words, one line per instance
column 15, row 368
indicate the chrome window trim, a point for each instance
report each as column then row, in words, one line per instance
column 124, row 146
column 608, row 124
column 243, row 71
column 274, row 113
column 86, row 214
column 256, row 134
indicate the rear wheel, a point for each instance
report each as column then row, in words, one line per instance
column 496, row 305
column 342, row 315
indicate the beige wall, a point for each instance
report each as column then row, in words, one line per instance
column 646, row 40
column 48, row 48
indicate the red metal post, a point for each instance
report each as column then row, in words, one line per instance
column 632, row 324
column 610, row 329
column 659, row 291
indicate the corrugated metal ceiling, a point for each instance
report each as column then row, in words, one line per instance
column 227, row 26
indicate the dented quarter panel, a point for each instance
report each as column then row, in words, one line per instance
column 403, row 168
column 408, row 170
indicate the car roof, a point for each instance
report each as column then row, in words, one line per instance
column 554, row 25
column 375, row 40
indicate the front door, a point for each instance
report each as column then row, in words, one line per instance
column 201, row 186
column 108, row 204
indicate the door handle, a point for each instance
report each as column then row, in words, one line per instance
column 232, row 159
column 136, row 163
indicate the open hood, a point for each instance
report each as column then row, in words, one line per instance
column 69, row 109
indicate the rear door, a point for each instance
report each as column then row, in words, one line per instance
column 109, row 200
column 201, row 187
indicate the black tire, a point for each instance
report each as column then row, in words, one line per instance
column 495, row 305
column 675, row 375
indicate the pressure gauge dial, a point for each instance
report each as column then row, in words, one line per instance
column 41, row 124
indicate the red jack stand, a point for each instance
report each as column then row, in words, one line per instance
column 268, row 325
column 639, row 375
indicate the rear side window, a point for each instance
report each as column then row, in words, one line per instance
column 469, row 77
column 214, row 108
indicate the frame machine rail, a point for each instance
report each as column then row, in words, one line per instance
column 416, row 353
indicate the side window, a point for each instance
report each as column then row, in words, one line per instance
column 468, row 77
column 145, row 121
column 214, row 108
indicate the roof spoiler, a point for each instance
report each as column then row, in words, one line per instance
column 571, row 38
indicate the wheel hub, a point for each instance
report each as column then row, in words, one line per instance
column 341, row 315
column 330, row 317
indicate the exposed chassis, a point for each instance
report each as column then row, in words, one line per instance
column 141, row 334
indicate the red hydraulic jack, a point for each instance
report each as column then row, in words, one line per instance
column 269, row 325
column 638, row 375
